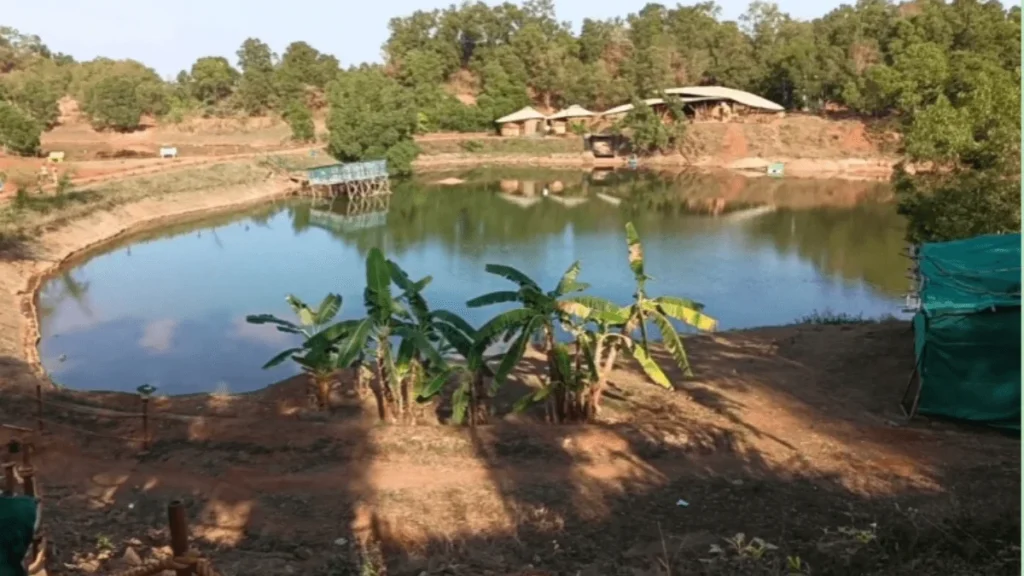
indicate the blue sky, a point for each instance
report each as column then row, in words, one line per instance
column 169, row 35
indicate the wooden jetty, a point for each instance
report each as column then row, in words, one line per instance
column 354, row 180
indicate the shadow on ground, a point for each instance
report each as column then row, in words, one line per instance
column 785, row 436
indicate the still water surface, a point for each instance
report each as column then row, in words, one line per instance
column 169, row 307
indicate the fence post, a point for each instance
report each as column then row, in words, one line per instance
column 10, row 481
column 178, row 524
column 145, row 423
column 27, row 471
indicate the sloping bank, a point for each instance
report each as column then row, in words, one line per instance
column 54, row 236
column 875, row 169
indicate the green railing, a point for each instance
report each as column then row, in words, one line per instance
column 351, row 172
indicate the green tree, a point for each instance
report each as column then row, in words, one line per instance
column 211, row 80
column 19, row 132
column 372, row 117
column 256, row 92
column 649, row 132
column 114, row 104
column 300, row 119
column 33, row 94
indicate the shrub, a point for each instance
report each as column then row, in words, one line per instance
column 19, row 132
column 113, row 103
column 300, row 119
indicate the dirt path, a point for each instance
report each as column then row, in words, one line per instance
column 135, row 168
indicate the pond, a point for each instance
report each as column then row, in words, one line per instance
column 168, row 307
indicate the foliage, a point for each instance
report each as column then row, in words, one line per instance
column 410, row 345
column 19, row 132
column 949, row 73
column 372, row 117
column 211, row 80
column 300, row 119
column 303, row 66
column 113, row 103
column 256, row 90
column 320, row 363
column 649, row 133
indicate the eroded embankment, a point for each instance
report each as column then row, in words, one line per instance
column 23, row 270
column 871, row 169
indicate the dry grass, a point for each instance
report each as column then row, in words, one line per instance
column 504, row 146
column 33, row 211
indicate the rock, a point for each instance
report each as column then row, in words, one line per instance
column 303, row 553
column 131, row 557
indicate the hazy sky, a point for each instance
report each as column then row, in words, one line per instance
column 169, row 35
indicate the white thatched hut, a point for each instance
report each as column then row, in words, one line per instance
column 520, row 123
column 575, row 114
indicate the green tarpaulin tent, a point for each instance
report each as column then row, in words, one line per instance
column 18, row 515
column 967, row 330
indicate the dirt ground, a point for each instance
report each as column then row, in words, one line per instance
column 789, row 434
column 809, row 145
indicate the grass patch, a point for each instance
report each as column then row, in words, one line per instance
column 32, row 211
column 829, row 318
column 504, row 146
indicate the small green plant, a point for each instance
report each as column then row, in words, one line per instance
column 104, row 542
column 319, row 362
column 829, row 318
column 63, row 183
column 795, row 566
column 754, row 548
column 471, row 146
column 300, row 120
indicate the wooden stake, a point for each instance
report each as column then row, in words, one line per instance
column 178, row 524
column 39, row 406
column 10, row 481
column 145, row 423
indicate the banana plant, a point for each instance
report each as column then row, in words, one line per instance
column 534, row 320
column 470, row 398
column 645, row 310
column 425, row 337
column 318, row 361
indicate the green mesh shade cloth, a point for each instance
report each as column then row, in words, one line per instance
column 967, row 330
column 17, row 528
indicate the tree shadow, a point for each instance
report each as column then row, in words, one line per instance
column 253, row 482
column 655, row 485
column 14, row 246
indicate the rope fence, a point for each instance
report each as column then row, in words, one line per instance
column 146, row 417
column 21, row 478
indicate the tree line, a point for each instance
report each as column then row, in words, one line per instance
column 945, row 75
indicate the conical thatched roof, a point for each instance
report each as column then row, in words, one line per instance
column 574, row 111
column 523, row 115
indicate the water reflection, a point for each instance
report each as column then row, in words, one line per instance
column 757, row 251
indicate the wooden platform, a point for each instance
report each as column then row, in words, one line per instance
column 356, row 180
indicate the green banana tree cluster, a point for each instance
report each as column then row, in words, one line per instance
column 320, row 364
column 401, row 338
column 417, row 352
